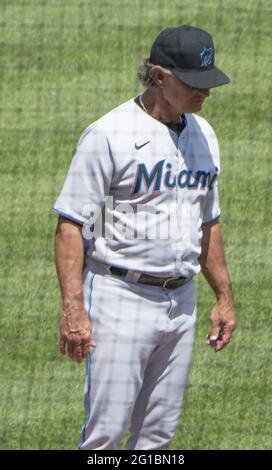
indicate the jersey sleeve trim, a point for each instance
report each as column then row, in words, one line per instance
column 66, row 216
column 211, row 220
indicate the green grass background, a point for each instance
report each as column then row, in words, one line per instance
column 63, row 64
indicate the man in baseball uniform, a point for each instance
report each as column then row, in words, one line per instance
column 138, row 219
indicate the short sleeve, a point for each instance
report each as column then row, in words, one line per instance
column 211, row 207
column 89, row 177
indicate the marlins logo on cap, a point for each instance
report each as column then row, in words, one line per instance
column 206, row 56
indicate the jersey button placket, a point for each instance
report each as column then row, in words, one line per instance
column 179, row 212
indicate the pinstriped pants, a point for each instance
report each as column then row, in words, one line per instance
column 136, row 375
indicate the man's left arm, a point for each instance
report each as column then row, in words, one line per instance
column 214, row 268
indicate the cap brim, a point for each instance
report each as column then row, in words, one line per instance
column 202, row 79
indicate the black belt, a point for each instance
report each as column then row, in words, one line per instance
column 170, row 283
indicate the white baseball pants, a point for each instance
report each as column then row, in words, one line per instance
column 136, row 375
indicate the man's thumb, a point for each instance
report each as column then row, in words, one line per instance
column 214, row 335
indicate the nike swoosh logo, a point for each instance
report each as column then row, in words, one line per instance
column 138, row 147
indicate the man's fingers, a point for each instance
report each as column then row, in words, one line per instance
column 215, row 329
column 220, row 345
column 86, row 348
column 77, row 347
column 213, row 335
column 223, row 324
column 62, row 346
column 215, row 332
column 78, row 352
column 70, row 349
column 223, row 340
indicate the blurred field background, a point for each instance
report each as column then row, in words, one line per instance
column 64, row 64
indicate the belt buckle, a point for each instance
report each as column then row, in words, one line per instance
column 164, row 286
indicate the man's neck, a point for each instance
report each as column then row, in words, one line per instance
column 158, row 107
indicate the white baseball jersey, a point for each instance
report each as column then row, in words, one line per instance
column 155, row 189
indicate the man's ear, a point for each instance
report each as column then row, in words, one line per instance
column 158, row 76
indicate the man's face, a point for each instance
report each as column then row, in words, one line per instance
column 181, row 97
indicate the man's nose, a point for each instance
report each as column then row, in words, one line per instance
column 205, row 92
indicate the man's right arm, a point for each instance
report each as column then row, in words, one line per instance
column 75, row 326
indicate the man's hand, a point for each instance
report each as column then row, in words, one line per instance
column 214, row 268
column 76, row 333
column 223, row 324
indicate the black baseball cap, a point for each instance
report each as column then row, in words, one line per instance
column 189, row 53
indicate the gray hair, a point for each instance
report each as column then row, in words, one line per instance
column 145, row 74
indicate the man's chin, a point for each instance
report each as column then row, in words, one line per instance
column 197, row 106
